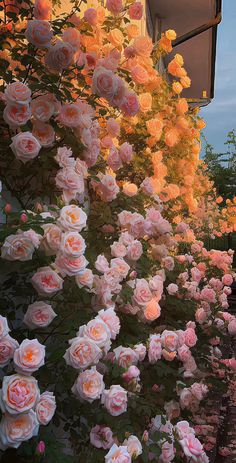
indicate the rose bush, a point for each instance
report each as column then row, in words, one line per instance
column 115, row 303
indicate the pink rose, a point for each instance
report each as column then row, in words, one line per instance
column 113, row 127
column 39, row 315
column 44, row 133
column 101, row 437
column 125, row 356
column 16, row 114
column 72, row 218
column 45, row 408
column 227, row 279
column 71, row 35
column 134, row 250
column 42, row 9
column 134, row 446
column 42, row 108
column 200, row 315
column 155, row 348
column 190, row 337
column 130, row 104
column 70, row 115
column 39, row 33
column 89, row 385
column 126, row 152
column 98, row 332
column 15, row 429
column 109, row 317
column 60, row 56
column 102, row 264
column 115, row 400
column 118, row 249
column 64, row 157
column 25, row 146
column 184, row 353
column 70, row 266
column 232, row 327
column 132, row 373
column 140, row 350
column 17, row 92
column 105, row 83
column 114, row 6
column 29, row 356
column 90, row 15
column 183, row 429
column 114, row 160
column 4, row 328
column 192, row 447
column 169, row 340
column 72, row 244
column 51, row 239
column 85, row 278
column 172, row 289
column 19, row 393
column 142, row 294
column 46, row 281
column 82, row 353
column 136, row 11
column 8, row 345
column 199, row 390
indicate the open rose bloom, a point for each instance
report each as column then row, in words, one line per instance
column 113, row 307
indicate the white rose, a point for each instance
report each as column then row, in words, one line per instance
column 118, row 455
column 134, row 446
column 4, row 328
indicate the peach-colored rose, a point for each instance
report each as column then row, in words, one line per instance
column 172, row 137
column 45, row 407
column 39, row 33
column 89, row 385
column 70, row 115
column 29, row 356
column 72, row 244
column 130, row 189
column 139, row 74
column 154, row 349
column 8, row 346
column 132, row 31
column 46, row 281
column 115, row 400
column 71, row 35
column 82, row 353
column 17, row 92
column 154, row 127
column 143, row 46
column 60, row 56
column 152, row 310
column 44, row 133
column 16, row 114
column 43, row 9
column 116, row 37
column 39, row 315
column 72, row 218
column 145, row 101
column 17, row 429
column 51, row 239
column 25, row 146
column 19, row 393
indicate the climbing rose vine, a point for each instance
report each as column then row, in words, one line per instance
column 116, row 309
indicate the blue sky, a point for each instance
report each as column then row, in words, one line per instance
column 220, row 114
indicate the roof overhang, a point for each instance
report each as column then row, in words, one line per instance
column 198, row 50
